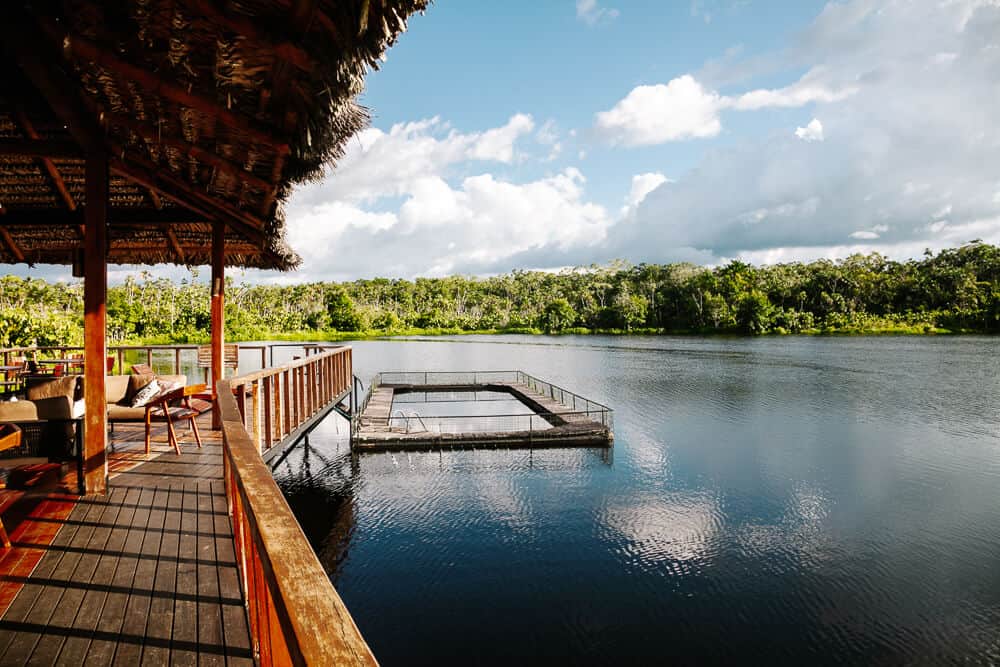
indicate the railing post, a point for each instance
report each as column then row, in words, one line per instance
column 255, row 420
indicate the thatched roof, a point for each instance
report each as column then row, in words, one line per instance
column 208, row 109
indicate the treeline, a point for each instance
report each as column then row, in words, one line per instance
column 955, row 290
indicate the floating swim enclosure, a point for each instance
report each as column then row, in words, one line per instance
column 441, row 410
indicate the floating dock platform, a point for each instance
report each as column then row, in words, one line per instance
column 551, row 416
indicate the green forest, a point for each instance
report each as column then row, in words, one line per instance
column 954, row 291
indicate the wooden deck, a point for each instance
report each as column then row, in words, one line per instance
column 565, row 426
column 146, row 575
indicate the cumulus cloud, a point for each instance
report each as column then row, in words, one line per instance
column 642, row 185
column 685, row 109
column 393, row 208
column 811, row 132
column 680, row 109
column 914, row 165
column 591, row 13
column 379, row 164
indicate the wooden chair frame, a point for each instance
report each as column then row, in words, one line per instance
column 168, row 403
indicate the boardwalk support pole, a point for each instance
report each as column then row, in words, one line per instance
column 218, row 310
column 95, row 289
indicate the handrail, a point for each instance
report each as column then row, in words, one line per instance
column 399, row 414
column 277, row 402
column 296, row 616
column 119, row 352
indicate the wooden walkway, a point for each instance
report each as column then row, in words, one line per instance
column 564, row 426
column 146, row 575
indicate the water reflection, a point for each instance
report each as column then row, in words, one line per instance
column 776, row 500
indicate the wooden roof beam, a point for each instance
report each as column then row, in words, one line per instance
column 155, row 198
column 147, row 131
column 157, row 85
column 148, row 175
column 174, row 243
column 116, row 217
column 241, row 25
column 50, row 167
column 11, row 244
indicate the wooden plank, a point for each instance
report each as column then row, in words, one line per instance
column 211, row 645
column 81, row 599
column 20, row 628
column 133, row 628
column 159, row 626
column 45, row 612
column 125, row 540
column 185, row 631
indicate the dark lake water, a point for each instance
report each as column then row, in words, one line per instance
column 817, row 500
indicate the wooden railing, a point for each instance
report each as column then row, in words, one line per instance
column 296, row 616
column 277, row 404
column 173, row 366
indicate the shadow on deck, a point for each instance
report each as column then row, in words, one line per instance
column 146, row 575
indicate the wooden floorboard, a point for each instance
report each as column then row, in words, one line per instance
column 145, row 575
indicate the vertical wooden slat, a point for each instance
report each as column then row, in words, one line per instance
column 177, row 361
column 255, row 407
column 268, row 407
column 94, row 323
column 286, row 396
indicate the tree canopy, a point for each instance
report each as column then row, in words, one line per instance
column 957, row 289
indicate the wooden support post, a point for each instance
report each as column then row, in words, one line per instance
column 94, row 324
column 218, row 310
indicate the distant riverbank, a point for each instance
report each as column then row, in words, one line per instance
column 954, row 291
column 340, row 336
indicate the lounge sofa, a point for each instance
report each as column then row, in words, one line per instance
column 61, row 398
column 119, row 390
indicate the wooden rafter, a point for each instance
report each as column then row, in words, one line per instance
column 147, row 131
column 50, row 167
column 157, row 85
column 11, row 244
column 148, row 175
column 174, row 243
column 116, row 217
column 284, row 49
column 155, row 198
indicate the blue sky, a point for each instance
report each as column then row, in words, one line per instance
column 540, row 135
column 475, row 64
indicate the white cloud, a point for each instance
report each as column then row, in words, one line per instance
column 685, row 109
column 590, row 12
column 380, row 164
column 811, row 132
column 392, row 207
column 681, row 109
column 642, row 185
column 914, row 164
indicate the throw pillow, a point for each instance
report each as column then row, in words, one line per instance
column 145, row 394
column 135, row 383
column 55, row 388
